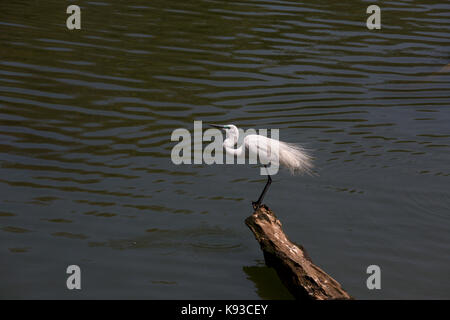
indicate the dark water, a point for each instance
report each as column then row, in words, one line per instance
column 86, row 118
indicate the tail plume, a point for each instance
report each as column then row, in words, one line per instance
column 295, row 158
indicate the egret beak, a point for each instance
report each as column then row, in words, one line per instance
column 217, row 126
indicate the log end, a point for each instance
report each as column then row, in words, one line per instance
column 292, row 263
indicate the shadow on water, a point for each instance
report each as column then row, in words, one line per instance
column 268, row 285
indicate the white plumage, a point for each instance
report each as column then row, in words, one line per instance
column 291, row 156
column 267, row 150
column 288, row 155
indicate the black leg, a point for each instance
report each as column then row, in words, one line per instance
column 257, row 204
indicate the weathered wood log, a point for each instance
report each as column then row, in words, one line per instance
column 294, row 267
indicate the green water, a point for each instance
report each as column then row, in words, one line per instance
column 86, row 117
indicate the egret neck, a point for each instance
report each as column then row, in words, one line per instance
column 229, row 143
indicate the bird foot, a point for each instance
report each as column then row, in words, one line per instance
column 256, row 205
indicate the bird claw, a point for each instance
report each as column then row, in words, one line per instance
column 256, row 205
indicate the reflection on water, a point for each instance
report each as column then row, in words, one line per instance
column 268, row 285
column 86, row 119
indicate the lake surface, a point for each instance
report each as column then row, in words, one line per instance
column 86, row 117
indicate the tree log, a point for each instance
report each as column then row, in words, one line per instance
column 294, row 267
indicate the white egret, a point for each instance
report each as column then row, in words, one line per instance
column 291, row 156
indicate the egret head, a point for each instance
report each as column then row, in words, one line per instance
column 231, row 131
